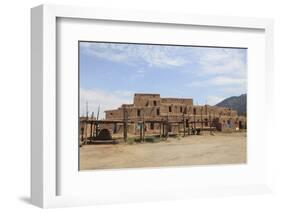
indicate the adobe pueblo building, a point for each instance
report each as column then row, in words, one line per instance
column 150, row 112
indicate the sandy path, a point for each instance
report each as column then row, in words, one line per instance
column 228, row 148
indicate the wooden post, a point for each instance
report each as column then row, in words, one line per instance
column 125, row 124
column 160, row 129
column 97, row 129
column 125, row 130
column 202, row 125
column 183, row 123
column 140, row 125
column 210, row 122
column 194, row 114
column 194, row 123
column 140, row 131
column 144, row 127
column 188, row 127
column 114, row 128
column 85, row 132
column 167, row 128
column 91, row 133
column 187, row 122
column 82, row 134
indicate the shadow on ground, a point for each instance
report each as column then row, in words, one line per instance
column 26, row 200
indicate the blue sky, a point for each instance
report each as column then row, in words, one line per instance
column 110, row 73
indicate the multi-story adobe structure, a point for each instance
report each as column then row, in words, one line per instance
column 151, row 109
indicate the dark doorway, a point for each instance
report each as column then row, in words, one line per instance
column 158, row 111
column 240, row 125
column 194, row 111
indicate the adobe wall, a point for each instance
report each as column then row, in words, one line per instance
column 183, row 101
column 133, row 112
column 115, row 114
column 151, row 107
column 142, row 100
column 136, row 113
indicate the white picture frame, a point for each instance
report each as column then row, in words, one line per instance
column 44, row 150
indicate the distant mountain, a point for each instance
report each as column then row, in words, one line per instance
column 238, row 103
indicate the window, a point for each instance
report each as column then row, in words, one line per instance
column 194, row 111
column 152, row 126
column 154, row 103
column 158, row 111
column 180, row 109
column 170, row 108
column 138, row 112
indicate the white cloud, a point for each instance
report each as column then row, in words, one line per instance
column 222, row 61
column 223, row 80
column 106, row 100
column 149, row 55
column 234, row 91
column 219, row 81
column 210, row 61
column 213, row 100
column 226, row 85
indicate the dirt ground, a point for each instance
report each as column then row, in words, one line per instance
column 223, row 148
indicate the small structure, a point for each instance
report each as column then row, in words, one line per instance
column 104, row 134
